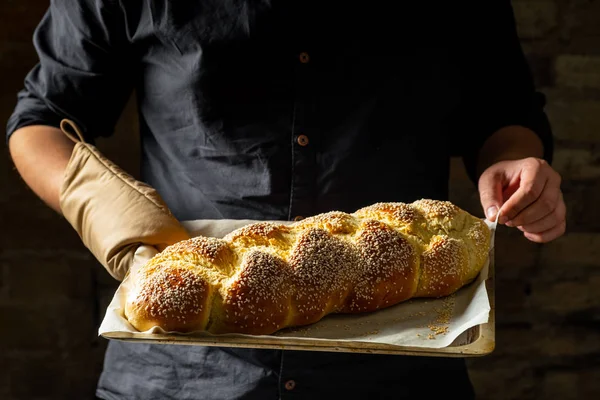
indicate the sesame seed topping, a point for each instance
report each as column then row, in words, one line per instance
column 171, row 292
column 267, row 276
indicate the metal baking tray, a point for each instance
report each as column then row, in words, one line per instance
column 479, row 340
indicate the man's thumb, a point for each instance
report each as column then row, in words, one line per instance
column 490, row 194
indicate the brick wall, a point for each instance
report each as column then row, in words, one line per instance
column 548, row 302
column 548, row 307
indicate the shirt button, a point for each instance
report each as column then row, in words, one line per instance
column 304, row 58
column 290, row 385
column 298, row 218
column 302, row 140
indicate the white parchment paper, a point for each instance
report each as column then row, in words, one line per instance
column 431, row 323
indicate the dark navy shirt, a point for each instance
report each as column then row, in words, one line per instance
column 272, row 109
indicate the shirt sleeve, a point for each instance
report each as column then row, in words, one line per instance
column 497, row 84
column 83, row 71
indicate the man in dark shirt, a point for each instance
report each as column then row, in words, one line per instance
column 280, row 110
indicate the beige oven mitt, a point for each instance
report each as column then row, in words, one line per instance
column 112, row 212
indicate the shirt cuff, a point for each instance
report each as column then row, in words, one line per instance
column 535, row 119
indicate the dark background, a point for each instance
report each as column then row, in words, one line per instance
column 53, row 294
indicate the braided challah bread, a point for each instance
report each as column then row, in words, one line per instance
column 267, row 276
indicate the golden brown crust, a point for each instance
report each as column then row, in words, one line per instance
column 268, row 276
column 256, row 298
column 442, row 267
column 390, row 274
column 258, row 234
column 324, row 266
column 170, row 295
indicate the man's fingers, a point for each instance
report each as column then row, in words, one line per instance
column 490, row 193
column 534, row 201
column 548, row 235
column 543, row 206
column 547, row 222
column 531, row 186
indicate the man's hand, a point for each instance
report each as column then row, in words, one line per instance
column 527, row 191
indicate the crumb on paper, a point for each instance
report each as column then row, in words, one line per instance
column 444, row 314
column 439, row 330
